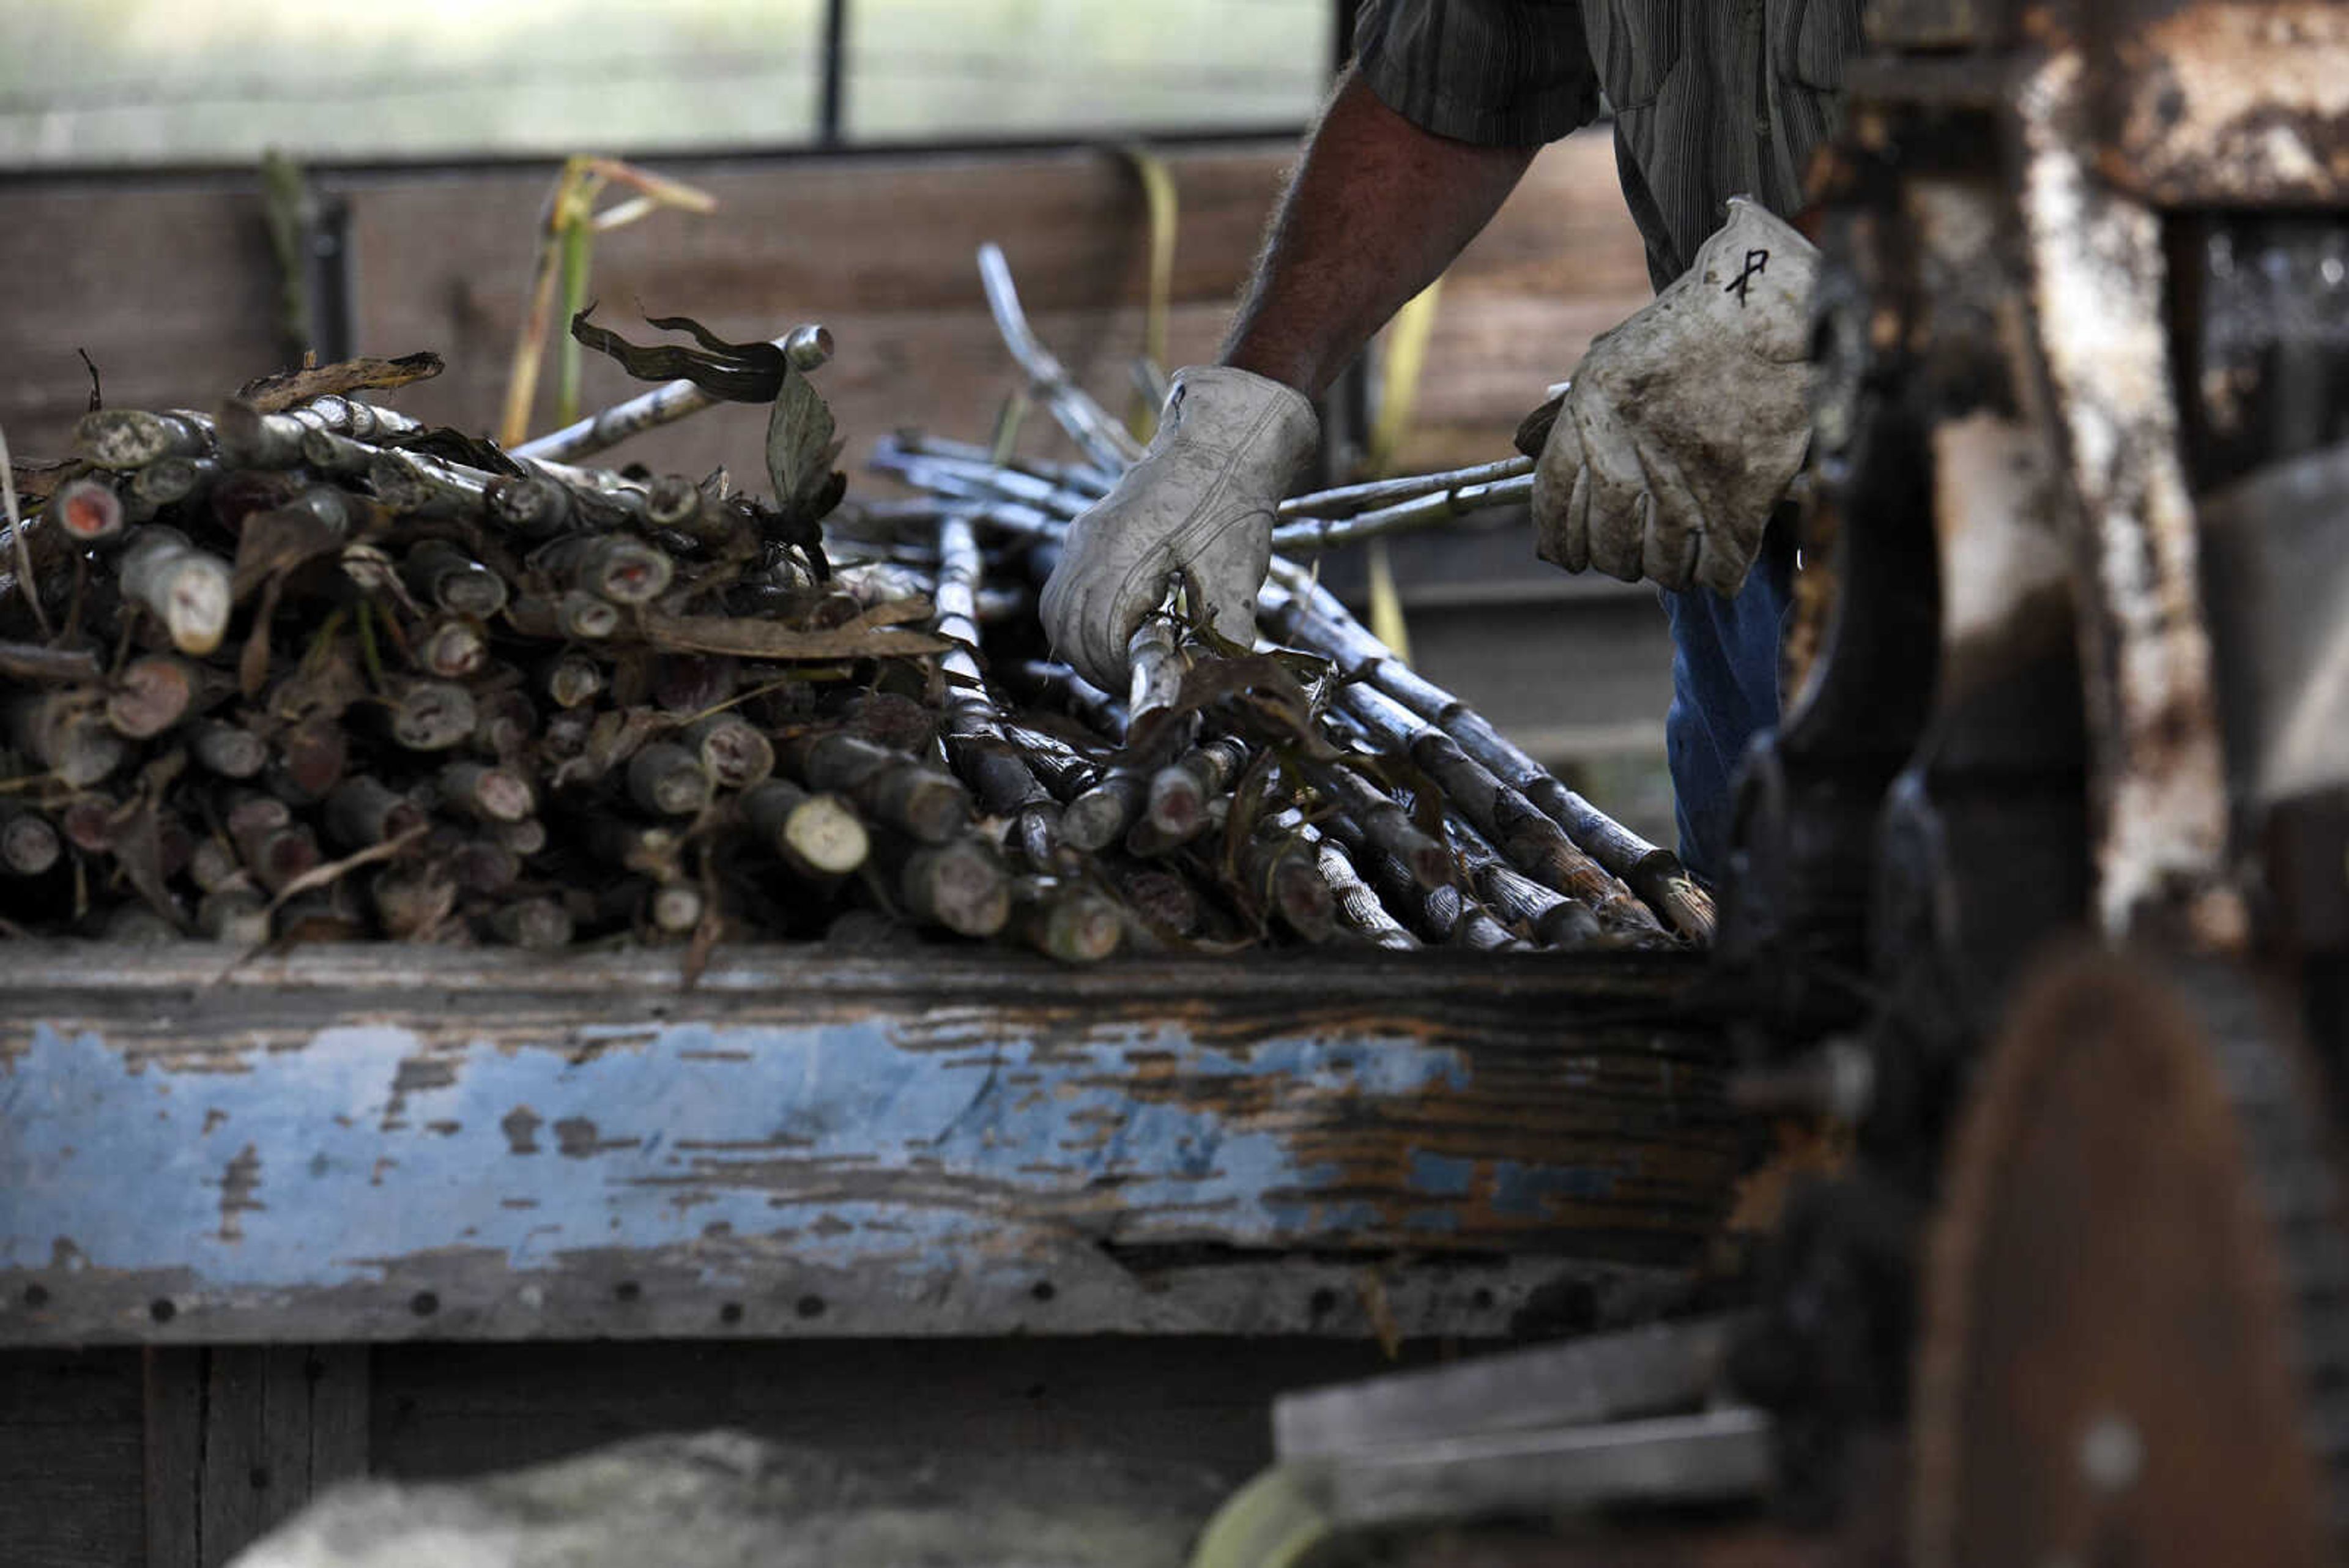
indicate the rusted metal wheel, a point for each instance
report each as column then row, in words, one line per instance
column 2132, row 1348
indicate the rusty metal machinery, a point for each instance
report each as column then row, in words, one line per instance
column 2065, row 669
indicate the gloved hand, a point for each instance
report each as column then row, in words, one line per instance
column 1684, row 426
column 1200, row 501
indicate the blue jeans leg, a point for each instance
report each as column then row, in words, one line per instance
column 1724, row 689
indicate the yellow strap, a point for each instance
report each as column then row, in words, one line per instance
column 1160, row 201
column 1387, row 623
column 1405, row 356
column 1276, row 1520
column 565, row 250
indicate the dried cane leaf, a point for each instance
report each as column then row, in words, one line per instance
column 253, row 665
column 616, row 738
column 40, row 666
column 36, row 481
column 273, row 543
column 763, row 639
column 737, row 372
column 334, row 870
column 139, row 852
column 892, row 612
column 275, row 394
column 456, row 446
column 799, row 447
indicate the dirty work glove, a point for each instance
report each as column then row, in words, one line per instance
column 1200, row 501
column 1685, row 425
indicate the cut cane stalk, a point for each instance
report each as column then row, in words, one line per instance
column 1155, row 655
column 29, row 845
column 537, row 925
column 1385, row 824
column 87, row 510
column 1307, row 537
column 997, row 771
column 482, row 865
column 487, row 793
column 1063, row 772
column 585, row 616
column 309, row 760
column 732, row 751
column 135, row 926
column 1180, row 792
column 364, row 812
column 1348, row 500
column 168, row 481
column 181, row 587
column 676, row 908
column 692, row 682
column 959, row 885
column 66, row 734
column 415, row 484
column 1097, row 434
column 1162, row 900
column 572, row 678
column 229, row 750
column 528, row 504
column 1107, row 812
column 91, row 822
column 212, row 865
column 1441, row 916
column 1356, row 903
column 621, row 570
column 1307, row 615
column 153, row 692
column 412, row 901
column 1530, row 841
column 439, row 574
column 453, row 648
column 433, row 716
column 817, row 835
column 131, row 437
column 505, row 722
column 1283, row 874
column 36, row 665
column 238, row 917
column 889, row 786
column 1070, row 924
column 668, row 780
column 526, row 837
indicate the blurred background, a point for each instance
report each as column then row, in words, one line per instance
column 858, row 152
column 96, row 82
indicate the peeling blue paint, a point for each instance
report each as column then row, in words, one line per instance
column 861, row 1149
column 1440, row 1176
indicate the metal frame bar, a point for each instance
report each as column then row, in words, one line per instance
column 831, row 102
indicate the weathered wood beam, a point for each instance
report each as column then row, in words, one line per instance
column 354, row 1144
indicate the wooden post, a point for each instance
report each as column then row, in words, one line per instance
column 239, row 1437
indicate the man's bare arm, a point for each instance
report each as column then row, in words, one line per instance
column 1376, row 212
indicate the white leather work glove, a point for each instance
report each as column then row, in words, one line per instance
column 1684, row 426
column 1200, row 501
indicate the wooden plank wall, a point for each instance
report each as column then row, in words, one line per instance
column 168, row 281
